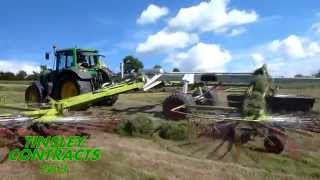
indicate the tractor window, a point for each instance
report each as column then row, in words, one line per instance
column 70, row 61
column 92, row 60
column 87, row 59
column 65, row 60
column 61, row 63
column 95, row 60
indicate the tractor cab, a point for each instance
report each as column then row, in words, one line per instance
column 78, row 59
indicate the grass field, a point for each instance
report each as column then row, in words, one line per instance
column 148, row 158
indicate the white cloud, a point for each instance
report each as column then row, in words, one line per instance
column 306, row 67
column 183, row 29
column 291, row 47
column 285, row 57
column 166, row 41
column 211, row 16
column 277, row 69
column 201, row 57
column 258, row 59
column 152, row 14
column 15, row 66
column 237, row 31
column 294, row 47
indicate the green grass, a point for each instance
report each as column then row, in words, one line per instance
column 293, row 85
column 15, row 82
column 117, row 164
column 305, row 165
column 13, row 87
column 13, row 91
column 113, row 165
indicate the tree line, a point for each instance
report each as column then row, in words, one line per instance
column 19, row 76
column 317, row 75
column 130, row 64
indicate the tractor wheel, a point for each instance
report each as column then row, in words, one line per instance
column 208, row 98
column 34, row 94
column 111, row 100
column 273, row 144
column 108, row 101
column 174, row 101
column 69, row 87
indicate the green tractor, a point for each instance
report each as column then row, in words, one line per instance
column 75, row 71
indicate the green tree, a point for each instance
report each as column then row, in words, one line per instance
column 132, row 64
column 157, row 66
column 317, row 74
column 21, row 75
column 34, row 76
column 176, row 70
column 7, row 76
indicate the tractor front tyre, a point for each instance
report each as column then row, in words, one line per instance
column 174, row 101
column 34, row 94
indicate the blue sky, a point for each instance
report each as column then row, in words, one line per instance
column 193, row 35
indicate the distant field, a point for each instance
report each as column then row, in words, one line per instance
column 15, row 82
column 12, row 92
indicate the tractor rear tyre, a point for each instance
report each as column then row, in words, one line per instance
column 69, row 87
column 174, row 101
column 273, row 144
column 34, row 94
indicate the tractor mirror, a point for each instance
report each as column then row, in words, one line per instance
column 47, row 56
